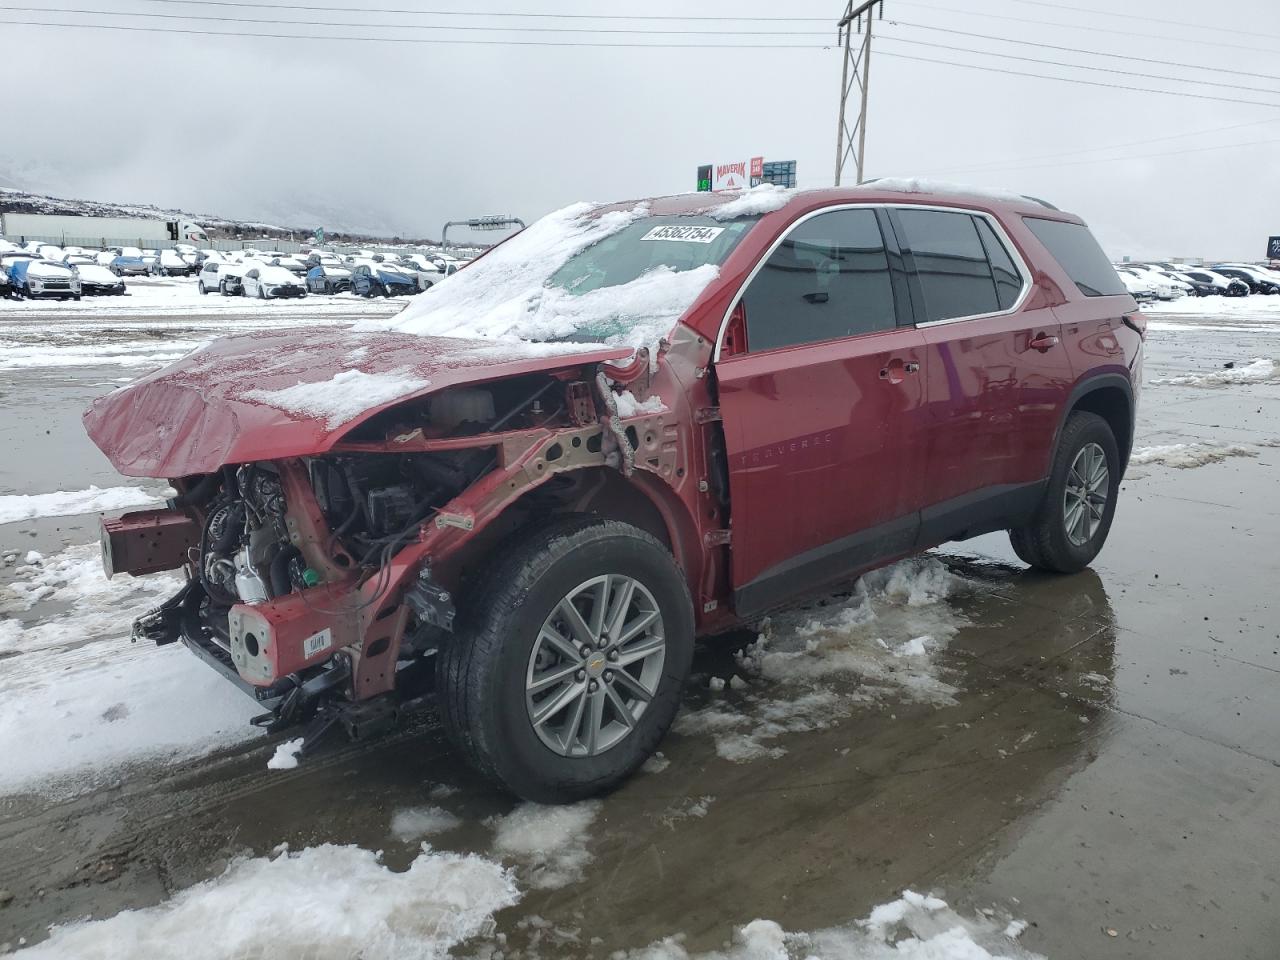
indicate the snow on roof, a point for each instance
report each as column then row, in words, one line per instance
column 926, row 185
column 342, row 398
column 504, row 296
column 765, row 198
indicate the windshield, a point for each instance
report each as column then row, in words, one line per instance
column 677, row 243
column 618, row 277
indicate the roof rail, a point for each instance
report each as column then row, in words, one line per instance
column 1043, row 203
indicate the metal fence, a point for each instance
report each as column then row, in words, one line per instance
column 226, row 245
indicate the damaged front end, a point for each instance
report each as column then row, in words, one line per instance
column 322, row 584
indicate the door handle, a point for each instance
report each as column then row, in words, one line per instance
column 896, row 368
column 1043, row 342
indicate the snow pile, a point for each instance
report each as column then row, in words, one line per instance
column 549, row 843
column 69, row 503
column 326, row 903
column 926, row 185
column 96, row 699
column 414, row 823
column 1258, row 370
column 915, row 927
column 1186, row 455
column 504, row 295
column 286, row 755
column 629, row 406
column 93, row 606
column 108, row 703
column 762, row 199
column 821, row 662
column 341, row 398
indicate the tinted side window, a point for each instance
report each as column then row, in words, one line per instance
column 950, row 263
column 1073, row 246
column 829, row 278
column 1008, row 279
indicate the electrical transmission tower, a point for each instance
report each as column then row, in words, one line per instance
column 852, row 142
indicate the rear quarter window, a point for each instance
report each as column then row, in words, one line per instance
column 1078, row 253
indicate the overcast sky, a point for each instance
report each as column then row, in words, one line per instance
column 401, row 137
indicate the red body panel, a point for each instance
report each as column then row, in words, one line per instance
column 821, row 444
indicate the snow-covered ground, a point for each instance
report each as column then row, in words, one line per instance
column 334, row 902
column 812, row 667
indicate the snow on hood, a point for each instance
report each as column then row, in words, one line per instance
column 46, row 268
column 96, row 274
column 276, row 275
column 504, row 295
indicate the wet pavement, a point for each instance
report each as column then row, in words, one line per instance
column 1107, row 767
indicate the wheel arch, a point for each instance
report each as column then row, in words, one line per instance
column 643, row 500
column 1109, row 396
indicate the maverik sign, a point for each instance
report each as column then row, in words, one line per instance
column 736, row 175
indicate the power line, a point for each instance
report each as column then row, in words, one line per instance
column 1140, row 156
column 1088, row 83
column 473, row 13
column 1003, row 164
column 1137, row 16
column 613, row 44
column 1080, row 66
column 1089, row 27
column 417, row 40
column 1093, row 53
column 486, row 28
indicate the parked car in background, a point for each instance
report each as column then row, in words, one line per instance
column 207, row 278
column 1197, row 288
column 170, row 263
column 1139, row 288
column 1258, row 282
column 328, row 278
column 6, row 288
column 382, row 280
column 269, row 282
column 292, row 264
column 1160, row 285
column 49, row 251
column 152, row 259
column 130, row 265
column 231, row 279
column 36, row 279
column 96, row 280
column 1223, row 285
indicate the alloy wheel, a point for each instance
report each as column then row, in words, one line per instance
column 1084, row 501
column 595, row 666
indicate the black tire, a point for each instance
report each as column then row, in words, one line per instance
column 201, row 287
column 481, row 668
column 1044, row 543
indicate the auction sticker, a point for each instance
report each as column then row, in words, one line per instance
column 317, row 642
column 684, row 234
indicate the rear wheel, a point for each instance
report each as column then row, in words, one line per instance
column 568, row 664
column 201, row 287
column 1072, row 522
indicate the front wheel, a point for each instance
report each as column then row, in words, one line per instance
column 1071, row 524
column 567, row 667
column 201, row 287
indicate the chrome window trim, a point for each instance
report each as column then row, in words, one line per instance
column 1023, row 268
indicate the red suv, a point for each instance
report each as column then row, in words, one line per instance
column 624, row 427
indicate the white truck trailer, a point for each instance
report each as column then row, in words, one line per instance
column 63, row 229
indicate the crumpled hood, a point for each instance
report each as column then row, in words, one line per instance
column 290, row 393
